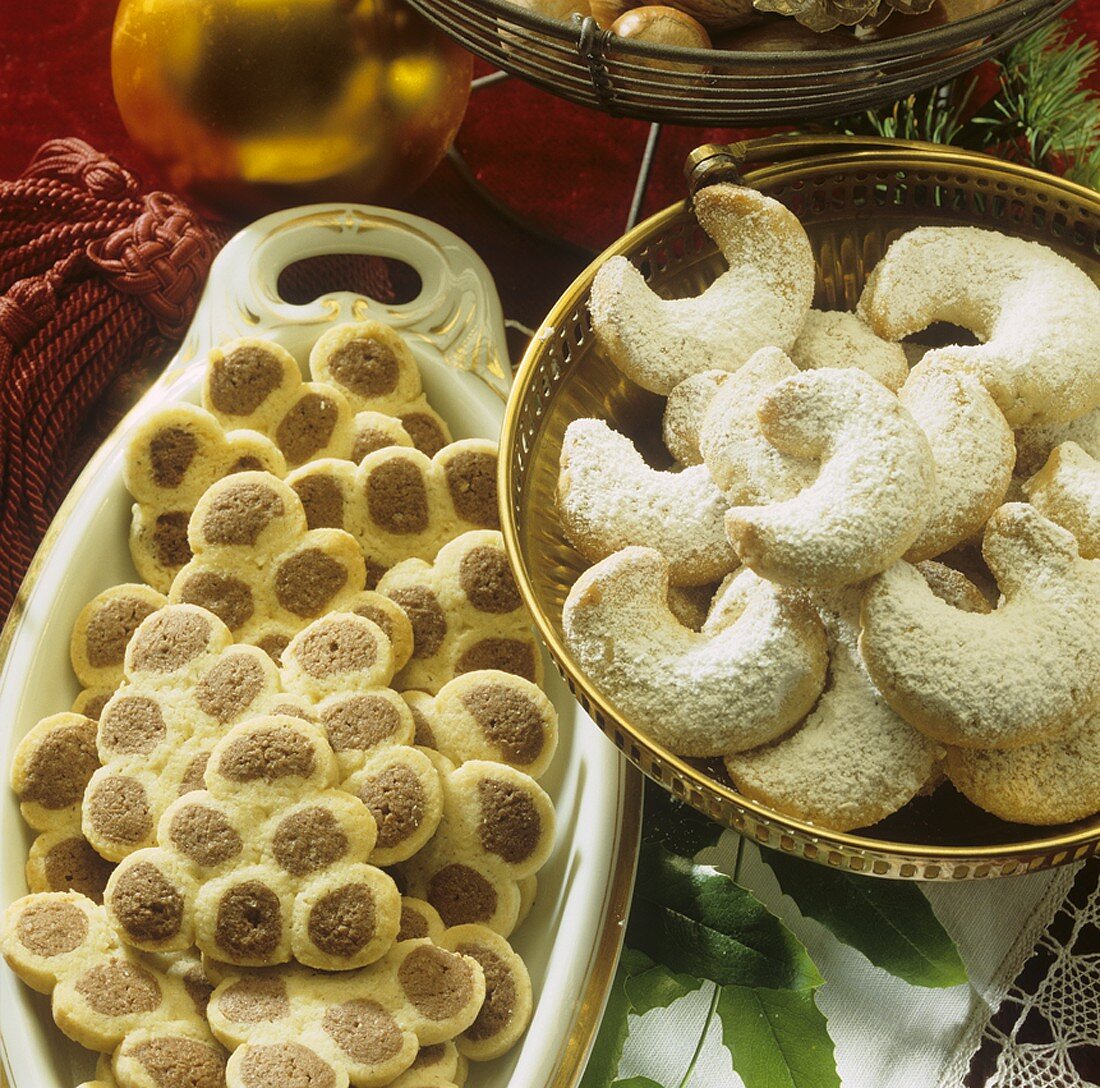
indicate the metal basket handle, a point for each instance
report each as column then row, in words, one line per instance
column 456, row 315
column 713, row 163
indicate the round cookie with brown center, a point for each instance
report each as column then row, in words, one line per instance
column 103, row 630
column 374, row 368
column 258, row 567
column 466, row 614
column 171, row 460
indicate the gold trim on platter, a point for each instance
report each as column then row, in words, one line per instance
column 846, row 191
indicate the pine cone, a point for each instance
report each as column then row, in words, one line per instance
column 822, row 15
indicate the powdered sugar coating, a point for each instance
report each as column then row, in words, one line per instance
column 754, row 670
column 684, row 412
column 1037, row 314
column 873, row 493
column 1018, row 675
column 609, row 498
column 1051, row 782
column 973, row 449
column 1067, row 490
column 838, row 339
column 1034, row 444
column 762, row 299
column 852, row 761
column 746, row 467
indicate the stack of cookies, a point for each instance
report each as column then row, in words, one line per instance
column 293, row 818
column 870, row 565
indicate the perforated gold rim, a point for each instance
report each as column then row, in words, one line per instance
column 860, row 853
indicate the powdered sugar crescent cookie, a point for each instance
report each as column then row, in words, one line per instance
column 744, row 465
column 267, row 863
column 1051, row 782
column 1067, row 490
column 755, row 669
column 761, row 300
column 363, row 1027
column 373, row 367
column 1020, row 674
column 171, row 460
column 185, row 685
column 838, row 339
column 497, row 830
column 149, row 1011
column 1035, row 444
column 1036, row 313
column 852, row 761
column 873, row 493
column 257, row 567
column 51, row 767
column 973, row 450
column 102, row 631
column 609, row 498
column 400, row 504
column 466, row 613
column 684, row 412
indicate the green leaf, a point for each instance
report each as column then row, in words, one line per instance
column 777, row 1038
column 603, row 1062
column 889, row 921
column 658, row 988
column 695, row 920
column 679, row 828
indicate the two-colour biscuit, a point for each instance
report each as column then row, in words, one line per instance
column 258, row 567
column 148, row 1011
column 373, row 367
column 267, row 863
column 466, row 613
column 52, row 766
column 102, row 632
column 363, row 1027
column 497, row 830
column 186, row 683
column 400, row 504
column 171, row 460
column 506, row 1011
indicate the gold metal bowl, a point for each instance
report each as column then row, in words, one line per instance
column 854, row 197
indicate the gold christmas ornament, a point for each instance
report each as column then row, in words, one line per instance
column 259, row 104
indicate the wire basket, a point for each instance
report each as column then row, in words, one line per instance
column 854, row 197
column 593, row 67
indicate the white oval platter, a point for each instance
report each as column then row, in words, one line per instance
column 571, row 939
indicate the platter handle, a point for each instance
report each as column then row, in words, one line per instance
column 456, row 315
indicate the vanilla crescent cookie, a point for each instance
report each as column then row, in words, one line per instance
column 684, row 412
column 148, row 1011
column 466, row 613
column 1052, row 781
column 1036, row 313
column 266, row 863
column 400, row 504
column 762, row 299
column 1067, row 490
column 755, row 669
column 373, row 367
column 363, row 1027
column 838, row 339
column 1035, row 444
column 173, row 457
column 185, row 684
column 609, row 498
column 973, row 450
column 874, row 490
column 497, row 831
column 744, row 465
column 52, row 766
column 1021, row 674
column 258, row 567
column 852, row 761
